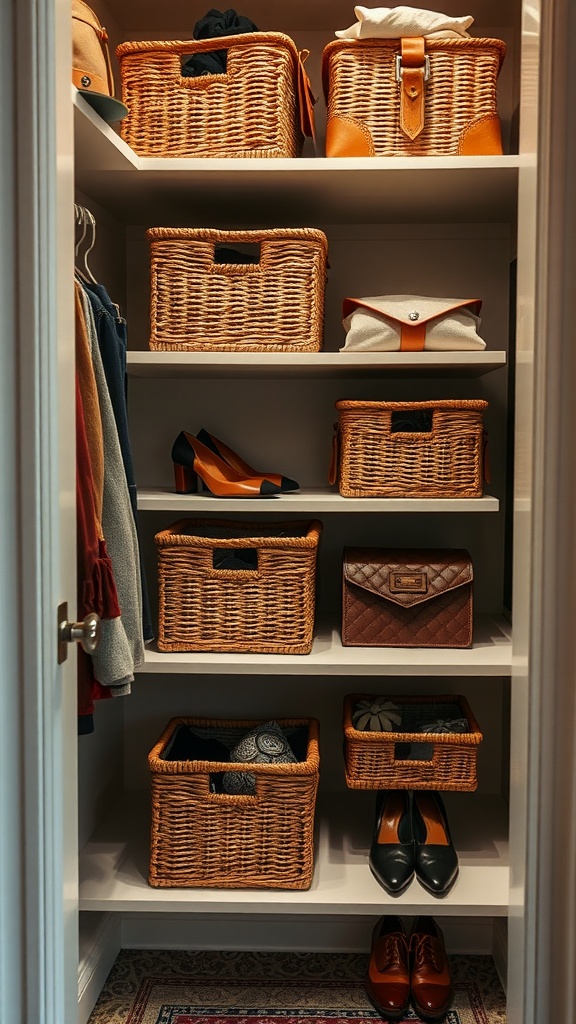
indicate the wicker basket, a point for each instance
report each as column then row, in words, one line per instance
column 266, row 609
column 250, row 111
column 447, row 760
column 445, row 461
column 200, row 305
column 202, row 838
column 459, row 107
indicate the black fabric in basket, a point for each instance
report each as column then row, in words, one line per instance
column 214, row 25
column 200, row 743
column 209, row 743
column 414, row 716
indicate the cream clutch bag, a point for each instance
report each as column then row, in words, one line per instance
column 411, row 323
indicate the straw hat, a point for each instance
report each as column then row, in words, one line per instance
column 91, row 68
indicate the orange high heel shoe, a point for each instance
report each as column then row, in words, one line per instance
column 284, row 483
column 193, row 460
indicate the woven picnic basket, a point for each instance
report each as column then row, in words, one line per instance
column 366, row 98
column 408, row 758
column 213, row 839
column 445, row 459
column 201, row 305
column 267, row 608
column 250, row 111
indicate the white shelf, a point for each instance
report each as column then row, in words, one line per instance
column 114, row 867
column 327, row 365
column 313, row 190
column 307, row 501
column 490, row 655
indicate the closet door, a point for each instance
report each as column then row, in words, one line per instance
column 38, row 793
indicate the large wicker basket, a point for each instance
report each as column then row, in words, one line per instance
column 388, row 760
column 201, row 305
column 267, row 609
column 250, row 111
column 377, row 461
column 364, row 88
column 202, row 838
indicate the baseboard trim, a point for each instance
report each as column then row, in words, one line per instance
column 100, row 943
column 330, row 934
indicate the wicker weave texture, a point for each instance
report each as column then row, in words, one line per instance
column 198, row 305
column 376, row 462
column 360, row 83
column 205, row 839
column 251, row 111
column 370, row 756
column 268, row 610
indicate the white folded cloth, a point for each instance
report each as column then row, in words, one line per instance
column 396, row 22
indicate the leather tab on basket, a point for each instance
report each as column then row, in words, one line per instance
column 413, row 337
column 346, row 136
column 481, row 137
column 333, row 471
column 306, row 98
column 412, row 72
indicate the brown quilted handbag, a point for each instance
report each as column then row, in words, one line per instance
column 406, row 598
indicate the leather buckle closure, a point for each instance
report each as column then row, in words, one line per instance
column 408, row 582
column 400, row 69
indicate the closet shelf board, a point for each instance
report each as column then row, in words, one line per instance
column 114, row 866
column 307, row 500
column 299, row 366
column 490, row 655
column 290, row 191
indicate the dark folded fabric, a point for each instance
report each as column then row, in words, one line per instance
column 214, row 25
column 187, row 745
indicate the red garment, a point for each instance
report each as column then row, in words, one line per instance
column 96, row 586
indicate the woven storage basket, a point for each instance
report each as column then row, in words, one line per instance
column 199, row 305
column 448, row 759
column 201, row 838
column 268, row 609
column 250, row 111
column 377, row 462
column 459, row 108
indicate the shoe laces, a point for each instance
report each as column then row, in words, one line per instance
column 425, row 951
column 395, row 951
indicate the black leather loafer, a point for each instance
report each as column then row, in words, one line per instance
column 435, row 858
column 392, row 850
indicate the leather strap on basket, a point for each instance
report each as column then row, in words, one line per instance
column 306, row 98
column 412, row 79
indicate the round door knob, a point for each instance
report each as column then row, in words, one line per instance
column 86, row 633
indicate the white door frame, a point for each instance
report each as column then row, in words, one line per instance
column 38, row 792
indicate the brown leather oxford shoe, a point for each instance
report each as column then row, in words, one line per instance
column 431, row 982
column 388, row 980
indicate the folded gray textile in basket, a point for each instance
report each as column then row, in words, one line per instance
column 266, row 744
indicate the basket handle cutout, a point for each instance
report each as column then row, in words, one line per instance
column 423, row 753
column 242, row 254
column 235, row 559
column 411, row 421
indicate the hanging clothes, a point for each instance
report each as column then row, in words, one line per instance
column 96, row 586
column 112, row 342
column 117, row 524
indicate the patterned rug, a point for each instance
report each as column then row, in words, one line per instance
column 150, row 987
